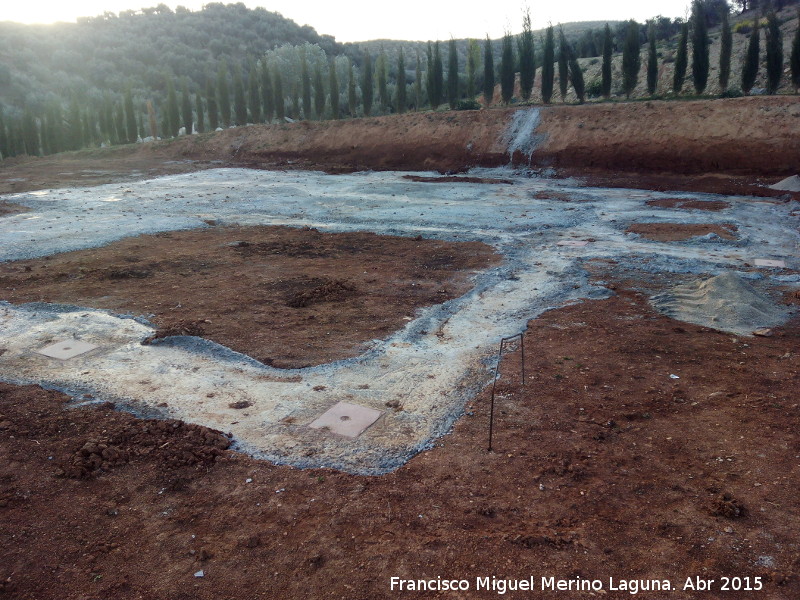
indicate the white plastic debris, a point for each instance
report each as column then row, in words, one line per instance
column 200, row 573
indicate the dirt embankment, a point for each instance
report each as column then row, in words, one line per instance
column 742, row 136
column 713, row 141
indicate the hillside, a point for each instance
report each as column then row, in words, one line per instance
column 108, row 53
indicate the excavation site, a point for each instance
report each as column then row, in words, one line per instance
column 248, row 352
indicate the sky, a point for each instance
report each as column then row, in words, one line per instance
column 358, row 20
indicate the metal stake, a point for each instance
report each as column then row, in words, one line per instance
column 497, row 371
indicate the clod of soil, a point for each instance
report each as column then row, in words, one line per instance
column 672, row 232
column 287, row 297
column 729, row 507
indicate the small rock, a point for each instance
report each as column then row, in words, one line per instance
column 200, row 573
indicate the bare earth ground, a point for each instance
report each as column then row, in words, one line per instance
column 287, row 297
column 604, row 466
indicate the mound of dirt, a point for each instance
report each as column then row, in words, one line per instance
column 725, row 302
column 790, row 184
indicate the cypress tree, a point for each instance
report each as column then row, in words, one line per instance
column 381, row 78
column 400, row 90
column 576, row 75
column 254, row 95
column 726, row 45
column 681, row 60
column 352, row 99
column 173, row 119
column 305, row 80
column 119, row 124
column 76, row 128
column 352, row 103
column 280, row 100
column 631, row 59
column 211, row 101
column 429, row 83
column 367, row 90
column 794, row 58
column 319, row 94
column 548, row 65
column 46, row 134
column 452, row 74
column 165, row 128
column 187, row 117
column 507, row 73
column 4, row 153
column 488, row 72
column 267, row 95
column 527, row 63
column 239, row 103
column 198, row 107
column 473, row 56
column 295, row 98
column 438, row 77
column 418, row 85
column 333, row 86
column 151, row 119
column 563, row 64
column 30, row 133
column 774, row 53
column 130, row 118
column 699, row 46
column 652, row 61
column 608, row 51
column 106, row 123
column 56, row 124
column 223, row 96
column 86, row 122
column 750, row 65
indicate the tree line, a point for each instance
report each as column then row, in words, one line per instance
column 305, row 82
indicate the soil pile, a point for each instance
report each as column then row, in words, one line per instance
column 725, row 302
column 790, row 184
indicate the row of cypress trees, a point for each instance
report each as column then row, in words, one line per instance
column 231, row 100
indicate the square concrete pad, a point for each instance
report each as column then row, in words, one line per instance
column 764, row 262
column 573, row 243
column 66, row 349
column 349, row 420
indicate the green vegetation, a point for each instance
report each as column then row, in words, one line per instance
column 527, row 62
column 681, row 60
column 452, row 74
column 631, row 59
column 488, row 72
column 700, row 43
column 608, row 49
column 652, row 61
column 774, row 53
column 750, row 66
